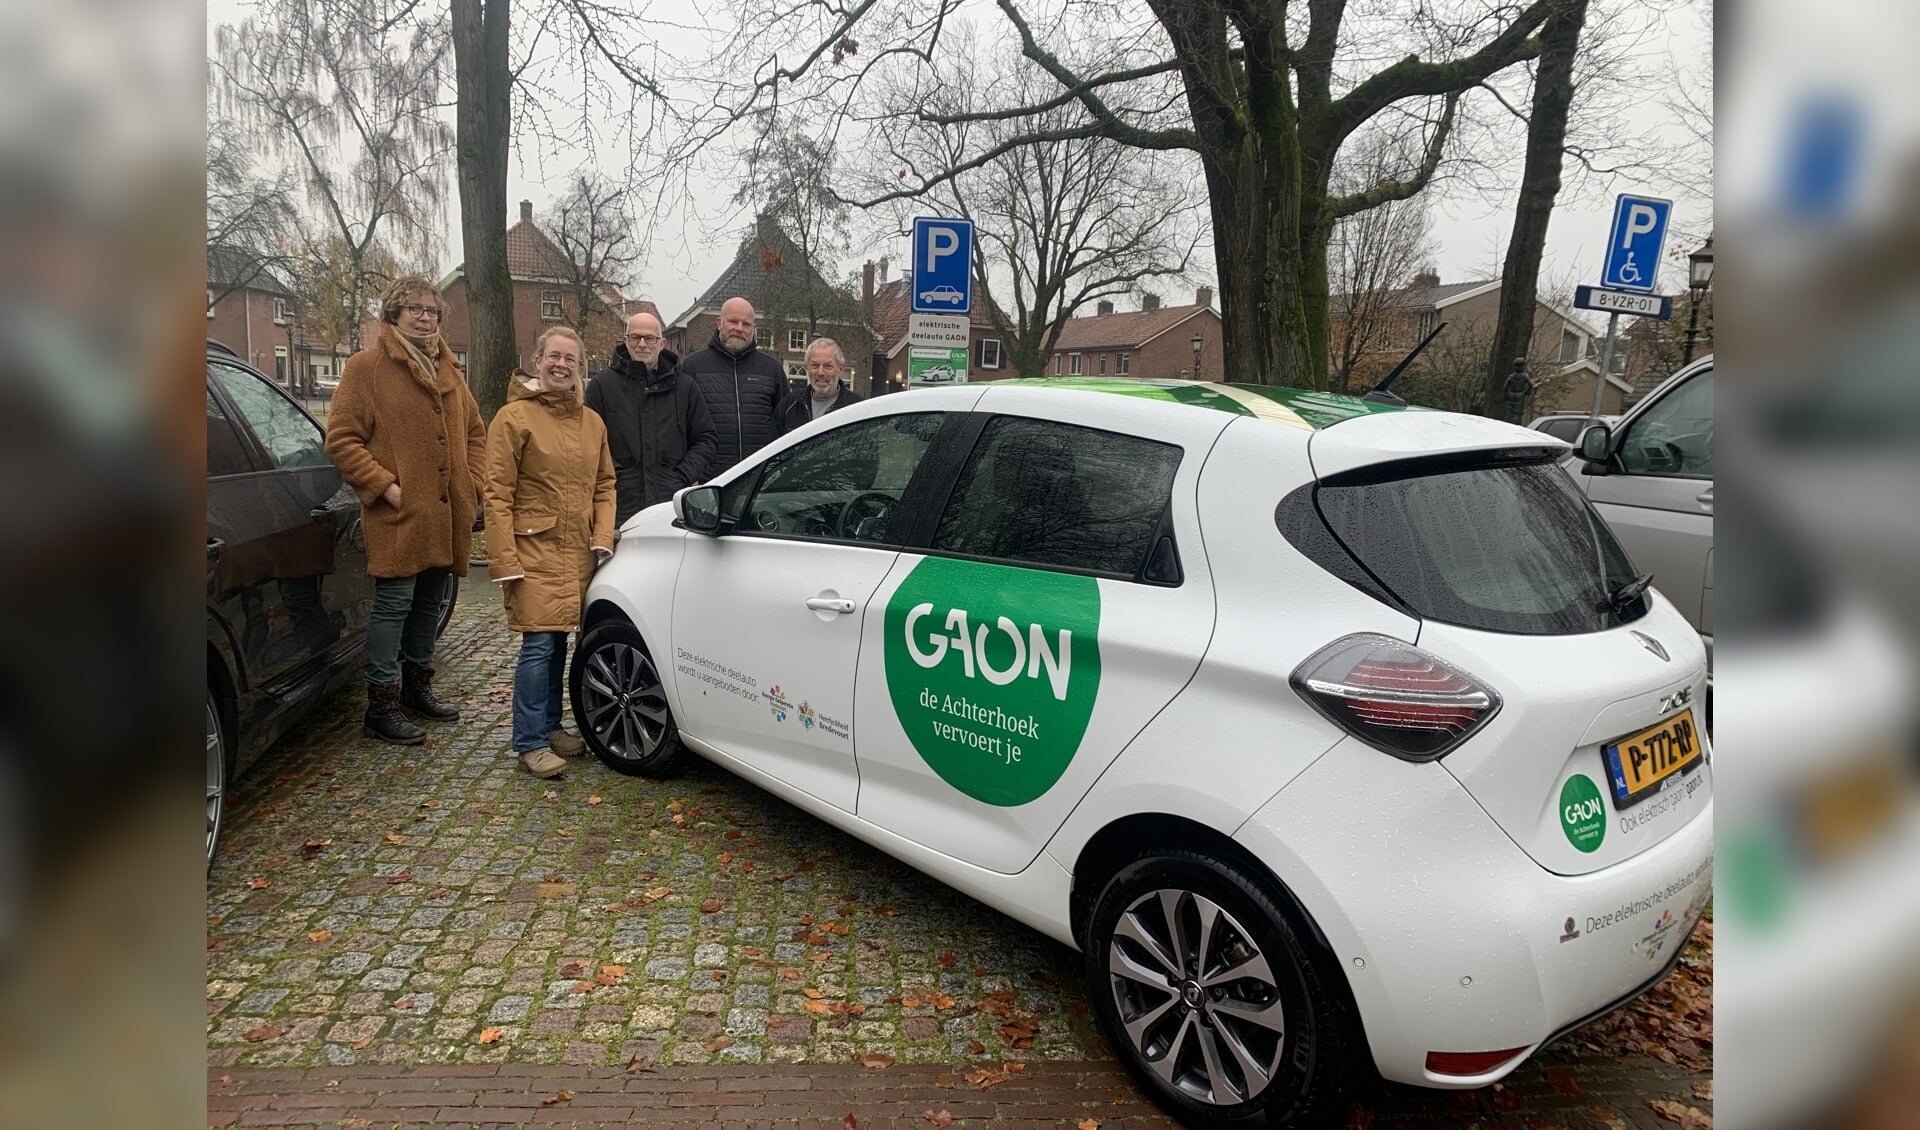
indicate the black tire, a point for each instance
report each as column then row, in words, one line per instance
column 1281, row 1012
column 446, row 606
column 619, row 704
column 217, row 774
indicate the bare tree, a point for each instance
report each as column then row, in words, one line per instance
column 1450, row 374
column 1261, row 90
column 348, row 92
column 484, row 83
column 250, row 219
column 593, row 225
column 1371, row 260
column 1059, row 226
column 789, row 179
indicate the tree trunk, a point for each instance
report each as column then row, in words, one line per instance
column 484, row 134
column 1539, row 185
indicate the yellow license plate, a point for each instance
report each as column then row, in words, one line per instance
column 1637, row 763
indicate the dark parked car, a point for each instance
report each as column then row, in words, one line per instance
column 287, row 586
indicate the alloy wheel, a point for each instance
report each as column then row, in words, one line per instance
column 216, row 777
column 1196, row 997
column 625, row 705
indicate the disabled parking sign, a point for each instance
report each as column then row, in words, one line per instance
column 1633, row 249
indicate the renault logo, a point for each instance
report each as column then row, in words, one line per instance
column 1652, row 645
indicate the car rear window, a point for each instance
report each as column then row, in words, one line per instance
column 1503, row 547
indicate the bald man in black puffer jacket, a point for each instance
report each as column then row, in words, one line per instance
column 744, row 388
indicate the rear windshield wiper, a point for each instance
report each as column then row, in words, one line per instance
column 1624, row 596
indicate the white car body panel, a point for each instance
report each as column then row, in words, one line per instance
column 1391, row 436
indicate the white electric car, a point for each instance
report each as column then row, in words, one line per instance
column 1325, row 730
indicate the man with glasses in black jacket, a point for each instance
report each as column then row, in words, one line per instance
column 658, row 426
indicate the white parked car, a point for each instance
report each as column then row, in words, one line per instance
column 1324, row 730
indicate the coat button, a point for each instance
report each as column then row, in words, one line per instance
column 443, row 441
column 443, row 470
column 436, row 409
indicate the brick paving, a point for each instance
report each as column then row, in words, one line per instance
column 424, row 936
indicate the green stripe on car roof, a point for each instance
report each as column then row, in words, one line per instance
column 1311, row 409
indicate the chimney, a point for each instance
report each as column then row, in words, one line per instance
column 866, row 288
column 883, row 268
column 1103, row 309
column 1203, row 296
column 1427, row 277
column 526, row 211
column 1149, row 302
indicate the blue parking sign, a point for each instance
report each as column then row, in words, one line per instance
column 1633, row 248
column 942, row 265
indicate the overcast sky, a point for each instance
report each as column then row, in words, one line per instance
column 1470, row 227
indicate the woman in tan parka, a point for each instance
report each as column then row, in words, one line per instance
column 406, row 436
column 550, row 507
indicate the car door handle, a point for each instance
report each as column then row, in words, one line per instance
column 829, row 604
column 1705, row 498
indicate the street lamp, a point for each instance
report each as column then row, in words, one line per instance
column 1699, row 280
column 1198, row 341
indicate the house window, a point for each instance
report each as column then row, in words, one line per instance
column 281, row 315
column 1569, row 346
column 460, row 355
column 1427, row 321
column 987, row 353
column 209, row 303
column 1120, row 365
column 550, row 307
column 280, row 362
column 1103, row 364
column 764, row 337
column 1073, row 364
column 1057, row 364
column 797, row 341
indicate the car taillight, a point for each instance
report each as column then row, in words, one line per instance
column 1395, row 697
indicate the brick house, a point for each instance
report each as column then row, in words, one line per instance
column 1563, row 355
column 1163, row 342
column 889, row 306
column 770, row 271
column 254, row 312
column 543, row 294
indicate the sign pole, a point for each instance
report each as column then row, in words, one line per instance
column 1606, row 366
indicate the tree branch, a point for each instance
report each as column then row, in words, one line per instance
column 1387, row 191
column 1412, row 78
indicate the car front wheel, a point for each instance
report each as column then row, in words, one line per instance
column 1210, row 993
column 216, row 775
column 620, row 705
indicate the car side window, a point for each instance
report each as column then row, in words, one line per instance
column 1036, row 492
column 290, row 437
column 840, row 486
column 226, row 451
column 1674, row 436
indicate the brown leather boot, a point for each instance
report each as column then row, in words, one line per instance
column 416, row 694
column 385, row 720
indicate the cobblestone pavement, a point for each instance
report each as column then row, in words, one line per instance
column 410, row 922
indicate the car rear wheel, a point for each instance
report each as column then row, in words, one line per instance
column 216, row 775
column 619, row 704
column 1209, row 991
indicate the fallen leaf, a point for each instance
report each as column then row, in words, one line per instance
column 658, row 893
column 549, row 794
column 1689, row 1117
column 732, row 834
column 317, row 845
column 818, row 1008
column 611, row 974
column 259, row 885
column 717, row 975
column 593, row 800
column 429, row 804
column 403, row 1003
column 1018, row 1034
column 437, row 893
column 942, row 1000
column 782, row 876
column 948, row 959
column 640, row 1063
column 813, row 994
column 945, row 1082
column 557, row 1097
column 553, row 877
column 937, row 1117
column 886, row 912
column 877, row 1061
column 718, row 1043
column 1703, row 1090
column 789, row 973
column 403, row 877
column 1562, row 1081
column 319, row 935
column 1087, row 1124
column 817, row 939
column 566, row 832
column 256, row 1035
column 490, row 1035
column 726, row 857
column 850, row 1122
column 711, row 906
column 573, row 969
column 975, row 1047
column 751, row 951
column 749, row 866
column 394, row 838
column 984, row 1077
column 838, row 929
column 361, row 1043
column 215, row 919
column 822, row 956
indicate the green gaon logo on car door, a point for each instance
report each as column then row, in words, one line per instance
column 993, row 671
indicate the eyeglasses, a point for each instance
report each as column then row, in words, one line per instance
column 644, row 339
column 419, row 311
column 567, row 357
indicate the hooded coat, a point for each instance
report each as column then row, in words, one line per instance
column 658, row 428
column 550, row 499
column 390, row 422
column 745, row 391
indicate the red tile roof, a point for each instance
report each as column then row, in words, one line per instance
column 1129, row 329
column 532, row 255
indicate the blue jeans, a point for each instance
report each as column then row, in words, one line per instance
column 538, row 682
column 404, row 622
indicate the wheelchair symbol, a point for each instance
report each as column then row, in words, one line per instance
column 1629, row 273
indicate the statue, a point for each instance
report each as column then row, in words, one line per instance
column 1519, row 387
